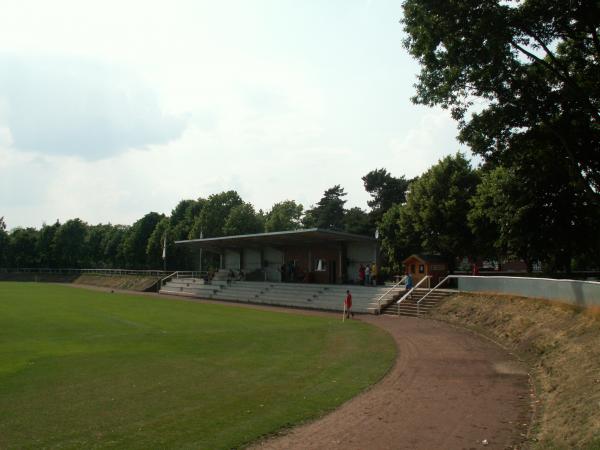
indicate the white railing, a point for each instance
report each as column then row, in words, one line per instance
column 430, row 291
column 190, row 274
column 164, row 280
column 381, row 297
column 405, row 296
column 180, row 274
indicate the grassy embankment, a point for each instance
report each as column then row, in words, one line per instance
column 129, row 282
column 86, row 369
column 561, row 343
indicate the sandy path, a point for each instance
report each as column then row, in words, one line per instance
column 449, row 389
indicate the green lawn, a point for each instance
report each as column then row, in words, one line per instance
column 85, row 369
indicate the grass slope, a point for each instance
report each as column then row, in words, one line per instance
column 83, row 369
column 129, row 282
column 562, row 345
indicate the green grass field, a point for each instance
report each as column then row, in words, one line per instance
column 85, row 369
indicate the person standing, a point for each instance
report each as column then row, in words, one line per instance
column 348, row 304
column 374, row 274
column 409, row 281
column 367, row 275
column 361, row 275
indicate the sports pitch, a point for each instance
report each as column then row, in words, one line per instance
column 85, row 369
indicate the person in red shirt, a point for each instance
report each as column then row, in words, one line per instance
column 348, row 304
column 361, row 275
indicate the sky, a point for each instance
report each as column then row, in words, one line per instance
column 112, row 109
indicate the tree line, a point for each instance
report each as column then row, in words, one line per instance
column 453, row 210
column 532, row 69
column 77, row 244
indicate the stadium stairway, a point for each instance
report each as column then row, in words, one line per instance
column 309, row 296
column 409, row 306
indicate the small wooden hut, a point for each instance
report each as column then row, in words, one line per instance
column 421, row 265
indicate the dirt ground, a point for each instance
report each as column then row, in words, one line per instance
column 561, row 345
column 449, row 389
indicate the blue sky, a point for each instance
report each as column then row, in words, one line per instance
column 113, row 109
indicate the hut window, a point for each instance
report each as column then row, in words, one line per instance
column 421, row 268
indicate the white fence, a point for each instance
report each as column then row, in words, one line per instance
column 68, row 271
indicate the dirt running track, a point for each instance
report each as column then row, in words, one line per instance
column 449, row 389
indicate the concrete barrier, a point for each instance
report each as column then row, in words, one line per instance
column 580, row 293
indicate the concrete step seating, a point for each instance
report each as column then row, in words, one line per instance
column 189, row 286
column 311, row 296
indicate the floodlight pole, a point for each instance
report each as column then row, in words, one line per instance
column 200, row 265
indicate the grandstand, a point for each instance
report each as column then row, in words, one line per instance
column 311, row 296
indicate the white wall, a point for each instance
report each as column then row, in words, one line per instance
column 274, row 259
column 252, row 260
column 581, row 293
column 232, row 260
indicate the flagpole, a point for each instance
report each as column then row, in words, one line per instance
column 164, row 255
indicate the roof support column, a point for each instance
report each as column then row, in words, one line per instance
column 340, row 271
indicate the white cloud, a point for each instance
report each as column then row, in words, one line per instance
column 279, row 102
column 76, row 107
column 430, row 140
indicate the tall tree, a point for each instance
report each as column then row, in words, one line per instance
column 242, row 219
column 114, row 246
column 95, row 244
column 385, row 191
column 136, row 241
column 503, row 217
column 534, row 63
column 398, row 237
column 534, row 217
column 69, row 243
column 4, row 243
column 22, row 247
column 329, row 211
column 182, row 220
column 434, row 218
column 357, row 221
column 215, row 210
column 284, row 216
column 45, row 246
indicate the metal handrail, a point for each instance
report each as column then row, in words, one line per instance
column 189, row 273
column 165, row 279
column 405, row 296
column 381, row 297
column 430, row 291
